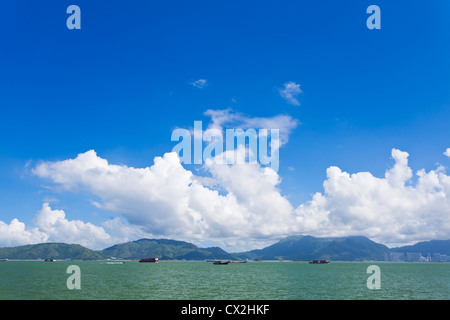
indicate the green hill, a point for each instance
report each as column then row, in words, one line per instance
column 163, row 249
column 50, row 251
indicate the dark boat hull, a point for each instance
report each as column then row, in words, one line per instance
column 149, row 260
column 319, row 262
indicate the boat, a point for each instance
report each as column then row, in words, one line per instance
column 319, row 262
column 3, row 260
column 221, row 262
column 154, row 260
column 49, row 260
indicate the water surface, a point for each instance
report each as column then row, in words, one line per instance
column 183, row 280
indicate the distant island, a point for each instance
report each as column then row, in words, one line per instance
column 298, row 248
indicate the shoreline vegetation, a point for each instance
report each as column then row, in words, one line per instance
column 289, row 249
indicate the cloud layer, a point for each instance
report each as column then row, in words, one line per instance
column 244, row 201
column 235, row 204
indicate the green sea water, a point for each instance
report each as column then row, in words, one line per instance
column 188, row 280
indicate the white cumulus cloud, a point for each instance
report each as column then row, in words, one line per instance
column 391, row 210
column 16, row 233
column 51, row 225
column 447, row 152
column 57, row 228
column 168, row 200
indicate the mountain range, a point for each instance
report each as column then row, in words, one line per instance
column 309, row 248
column 352, row 248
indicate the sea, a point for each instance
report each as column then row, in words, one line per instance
column 201, row 280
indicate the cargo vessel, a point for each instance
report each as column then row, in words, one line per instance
column 319, row 262
column 154, row 260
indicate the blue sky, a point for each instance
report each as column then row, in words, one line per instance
column 122, row 83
